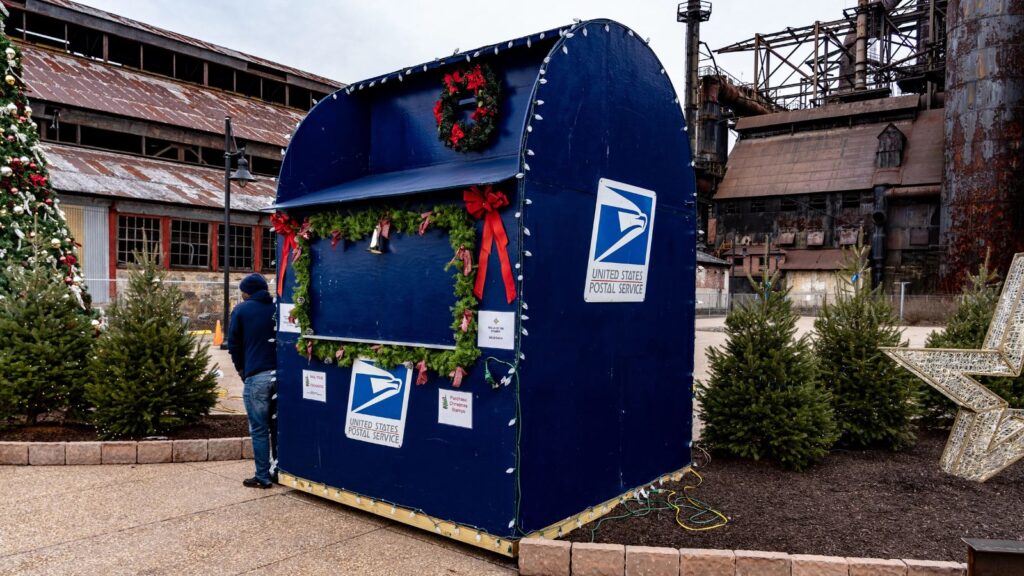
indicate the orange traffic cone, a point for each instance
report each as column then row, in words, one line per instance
column 218, row 335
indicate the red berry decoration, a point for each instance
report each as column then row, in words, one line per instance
column 479, row 83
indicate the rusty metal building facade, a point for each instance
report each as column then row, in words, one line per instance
column 132, row 118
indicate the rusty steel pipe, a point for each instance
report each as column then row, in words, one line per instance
column 983, row 195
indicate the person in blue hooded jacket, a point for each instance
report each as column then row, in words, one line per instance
column 254, row 354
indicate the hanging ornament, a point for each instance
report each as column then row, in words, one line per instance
column 463, row 255
column 457, row 375
column 425, row 222
column 421, row 372
column 10, row 79
column 378, row 241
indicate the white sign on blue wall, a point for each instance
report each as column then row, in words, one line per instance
column 620, row 244
column 377, row 403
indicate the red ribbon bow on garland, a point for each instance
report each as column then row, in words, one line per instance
column 287, row 227
column 484, row 204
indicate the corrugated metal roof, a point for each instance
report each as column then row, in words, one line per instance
column 102, row 173
column 832, row 160
column 825, row 259
column 880, row 106
column 705, row 258
column 96, row 12
column 60, row 78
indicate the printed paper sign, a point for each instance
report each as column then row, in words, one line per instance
column 314, row 386
column 455, row 408
column 377, row 402
column 620, row 245
column 496, row 330
column 285, row 322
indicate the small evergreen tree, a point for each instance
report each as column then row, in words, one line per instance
column 872, row 397
column 45, row 346
column 149, row 374
column 967, row 328
column 762, row 399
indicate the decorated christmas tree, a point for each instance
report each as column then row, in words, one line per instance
column 872, row 396
column 45, row 346
column 967, row 328
column 762, row 399
column 30, row 215
column 149, row 373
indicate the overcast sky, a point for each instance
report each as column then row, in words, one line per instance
column 349, row 40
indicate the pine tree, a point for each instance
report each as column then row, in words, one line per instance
column 30, row 212
column 762, row 399
column 149, row 373
column 967, row 328
column 872, row 397
column 45, row 346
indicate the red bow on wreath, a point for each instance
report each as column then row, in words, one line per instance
column 287, row 227
column 484, row 204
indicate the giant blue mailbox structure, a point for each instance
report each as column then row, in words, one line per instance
column 582, row 389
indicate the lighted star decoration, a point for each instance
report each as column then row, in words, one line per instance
column 987, row 434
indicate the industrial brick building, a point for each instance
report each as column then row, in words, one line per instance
column 132, row 122
column 899, row 123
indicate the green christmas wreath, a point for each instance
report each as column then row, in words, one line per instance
column 355, row 226
column 479, row 83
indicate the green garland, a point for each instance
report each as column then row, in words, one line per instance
column 355, row 226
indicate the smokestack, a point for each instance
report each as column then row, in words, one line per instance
column 692, row 13
column 860, row 70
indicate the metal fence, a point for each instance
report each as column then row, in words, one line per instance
column 911, row 309
column 203, row 304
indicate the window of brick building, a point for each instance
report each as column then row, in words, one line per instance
column 818, row 202
column 137, row 234
column 190, row 244
column 269, row 253
column 241, row 257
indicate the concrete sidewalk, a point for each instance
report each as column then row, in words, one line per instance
column 199, row 519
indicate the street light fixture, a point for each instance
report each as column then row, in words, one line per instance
column 243, row 177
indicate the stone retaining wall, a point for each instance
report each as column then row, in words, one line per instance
column 539, row 557
column 121, row 452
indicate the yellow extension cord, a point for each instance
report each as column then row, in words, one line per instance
column 696, row 504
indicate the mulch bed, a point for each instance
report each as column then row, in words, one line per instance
column 867, row 504
column 214, row 426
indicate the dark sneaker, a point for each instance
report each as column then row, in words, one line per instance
column 254, row 483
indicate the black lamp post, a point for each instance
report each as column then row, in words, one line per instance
column 243, row 177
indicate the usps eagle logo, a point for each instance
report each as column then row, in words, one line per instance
column 623, row 227
column 620, row 244
column 376, row 391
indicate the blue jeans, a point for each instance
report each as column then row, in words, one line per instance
column 258, row 390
